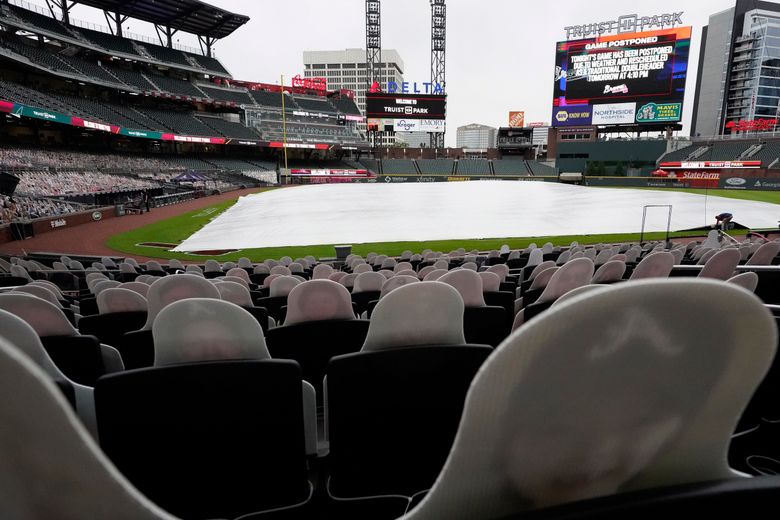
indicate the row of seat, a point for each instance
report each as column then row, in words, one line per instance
column 633, row 388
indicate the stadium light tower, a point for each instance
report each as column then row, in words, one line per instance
column 438, row 48
column 373, row 51
column 373, row 43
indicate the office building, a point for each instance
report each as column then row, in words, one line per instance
column 347, row 70
column 739, row 68
column 476, row 136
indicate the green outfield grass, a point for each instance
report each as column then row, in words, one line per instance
column 756, row 195
column 177, row 229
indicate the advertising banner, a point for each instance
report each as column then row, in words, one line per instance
column 749, row 183
column 614, row 114
column 311, row 146
column 419, row 125
column 145, row 134
column 575, row 115
column 242, row 142
column 516, row 119
column 329, row 172
column 659, row 112
column 711, row 164
column 193, row 139
column 77, row 121
column 40, row 113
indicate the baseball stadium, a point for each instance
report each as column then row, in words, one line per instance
column 302, row 295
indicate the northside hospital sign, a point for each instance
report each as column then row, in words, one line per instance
column 630, row 23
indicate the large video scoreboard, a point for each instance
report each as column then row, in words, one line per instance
column 621, row 79
column 406, row 106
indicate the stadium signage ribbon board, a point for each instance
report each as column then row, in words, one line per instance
column 140, row 133
column 19, row 110
column 405, row 106
column 328, row 173
column 193, row 139
column 628, row 23
column 712, row 164
column 276, row 144
column 648, row 69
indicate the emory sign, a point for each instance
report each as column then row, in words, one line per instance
column 629, row 23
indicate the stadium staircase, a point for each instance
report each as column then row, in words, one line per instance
column 698, row 152
column 147, row 78
column 140, row 49
column 751, row 151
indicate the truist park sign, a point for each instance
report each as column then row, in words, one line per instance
column 629, row 23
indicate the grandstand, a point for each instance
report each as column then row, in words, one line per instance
column 765, row 150
column 36, row 20
column 129, row 66
column 436, row 166
column 473, row 167
column 511, row 167
column 402, row 166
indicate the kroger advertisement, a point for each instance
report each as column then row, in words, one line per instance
column 621, row 79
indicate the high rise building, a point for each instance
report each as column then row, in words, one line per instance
column 739, row 68
column 347, row 69
column 476, row 136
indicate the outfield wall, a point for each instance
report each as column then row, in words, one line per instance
column 726, row 180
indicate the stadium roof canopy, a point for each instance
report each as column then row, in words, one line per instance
column 190, row 16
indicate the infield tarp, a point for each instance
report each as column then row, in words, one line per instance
column 360, row 213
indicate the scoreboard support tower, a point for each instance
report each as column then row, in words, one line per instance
column 438, row 48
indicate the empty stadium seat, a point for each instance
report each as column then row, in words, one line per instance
column 320, row 324
column 229, row 434
column 54, row 449
column 670, row 426
column 393, row 409
column 20, row 334
column 137, row 347
column 81, row 358
column 255, row 398
column 482, row 324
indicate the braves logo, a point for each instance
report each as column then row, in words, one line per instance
column 617, row 89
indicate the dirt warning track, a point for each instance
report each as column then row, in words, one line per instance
column 90, row 239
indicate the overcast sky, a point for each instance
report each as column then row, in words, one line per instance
column 500, row 53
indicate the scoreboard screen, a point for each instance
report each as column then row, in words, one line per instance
column 621, row 79
column 382, row 105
